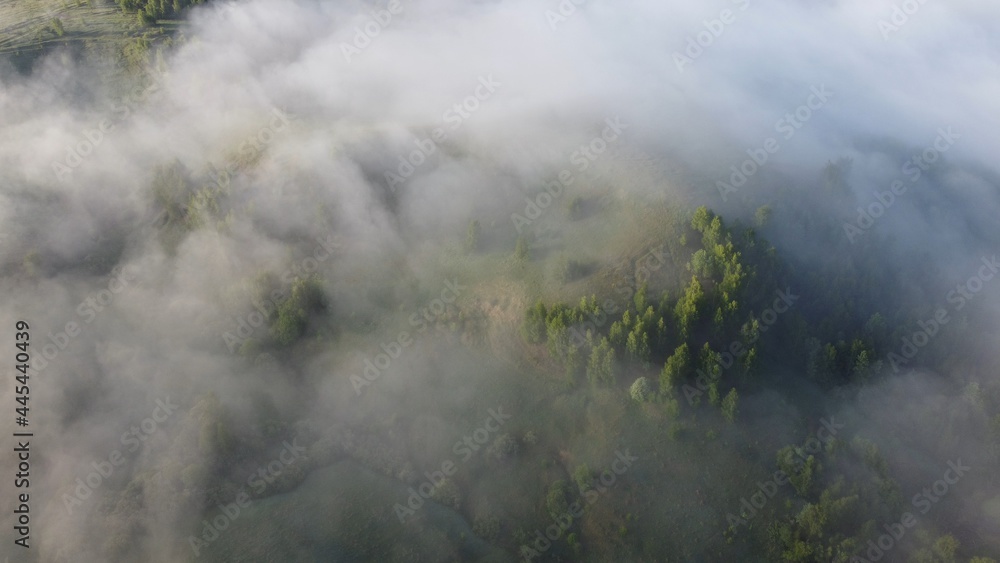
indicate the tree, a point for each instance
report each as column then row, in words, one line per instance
column 600, row 367
column 533, row 329
column 573, row 364
column 762, row 215
column 503, row 447
column 557, row 337
column 639, row 299
column 617, row 334
column 57, row 27
column 704, row 264
column 800, row 474
column 661, row 332
column 689, row 307
column 290, row 320
column 730, row 405
column 710, row 363
column 555, row 500
column 676, row 367
column 572, row 270
column 640, row 391
column 718, row 322
column 713, row 234
column 713, row 393
column 582, row 476
column 637, row 343
column 701, row 219
column 750, row 362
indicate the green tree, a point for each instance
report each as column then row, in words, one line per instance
column 701, row 219
column 800, row 474
column 750, row 363
column 573, row 364
column 582, row 476
column 617, row 334
column 290, row 320
column 713, row 393
column 534, row 330
column 710, row 362
column 637, row 343
column 57, row 27
column 689, row 307
column 600, row 367
column 762, row 216
column 639, row 299
column 675, row 369
column 640, row 391
column 557, row 337
column 556, row 500
column 730, row 405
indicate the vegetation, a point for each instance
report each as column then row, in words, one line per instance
column 673, row 359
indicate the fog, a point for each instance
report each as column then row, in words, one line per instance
column 312, row 128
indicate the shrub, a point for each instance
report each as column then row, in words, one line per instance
column 640, row 390
column 503, row 447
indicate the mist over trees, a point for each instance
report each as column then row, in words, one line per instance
column 557, row 338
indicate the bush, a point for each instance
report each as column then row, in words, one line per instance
column 291, row 319
column 582, row 476
column 556, row 502
column 640, row 390
column 730, row 404
column 57, row 27
column 487, row 527
column 503, row 447
column 447, row 493
column 572, row 270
